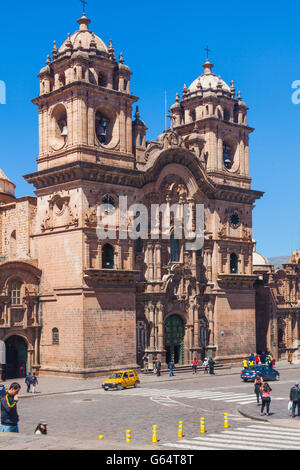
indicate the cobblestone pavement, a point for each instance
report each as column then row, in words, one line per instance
column 76, row 416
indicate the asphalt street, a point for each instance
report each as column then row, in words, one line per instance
column 87, row 414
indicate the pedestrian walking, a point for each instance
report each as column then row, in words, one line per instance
column 158, row 367
column 146, row 362
column 9, row 414
column 41, row 428
column 34, row 382
column 290, row 357
column 266, row 399
column 211, row 365
column 28, row 382
column 154, row 362
column 256, row 359
column 205, row 365
column 245, row 364
column 171, row 367
column 295, row 399
column 258, row 387
column 194, row 366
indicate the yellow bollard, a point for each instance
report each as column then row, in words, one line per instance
column 154, row 434
column 128, row 436
column 226, row 425
column 202, row 425
column 180, row 429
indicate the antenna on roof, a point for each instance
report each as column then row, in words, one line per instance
column 166, row 112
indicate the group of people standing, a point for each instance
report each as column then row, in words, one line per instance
column 208, row 364
column 256, row 359
column 263, row 391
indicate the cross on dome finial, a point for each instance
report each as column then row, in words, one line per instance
column 207, row 51
column 84, row 3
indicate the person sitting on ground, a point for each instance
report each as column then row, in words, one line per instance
column 41, row 428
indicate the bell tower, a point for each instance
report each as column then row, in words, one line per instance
column 85, row 104
column 86, row 153
column 211, row 109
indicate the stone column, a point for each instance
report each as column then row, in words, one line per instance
column 220, row 153
column 122, row 123
column 160, row 339
column 196, row 327
column 152, row 322
column 228, row 261
column 209, row 265
column 158, row 261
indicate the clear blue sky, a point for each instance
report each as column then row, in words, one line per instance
column 163, row 42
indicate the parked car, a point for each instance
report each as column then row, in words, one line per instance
column 266, row 372
column 121, row 379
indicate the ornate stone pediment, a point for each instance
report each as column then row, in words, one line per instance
column 59, row 214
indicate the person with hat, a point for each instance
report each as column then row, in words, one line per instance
column 295, row 398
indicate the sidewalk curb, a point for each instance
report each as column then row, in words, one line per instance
column 254, row 418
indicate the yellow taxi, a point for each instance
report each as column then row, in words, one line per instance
column 121, row 379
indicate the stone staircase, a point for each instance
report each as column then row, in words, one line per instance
column 186, row 368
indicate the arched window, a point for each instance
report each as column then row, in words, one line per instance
column 102, row 124
column 227, row 156
column 174, row 245
column 236, row 113
column 138, row 245
column 107, row 257
column 55, row 336
column 102, row 80
column 226, row 115
column 233, row 263
column 15, row 292
column 109, row 204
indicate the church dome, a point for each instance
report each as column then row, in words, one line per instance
column 208, row 80
column 83, row 38
column 7, row 188
column 257, row 258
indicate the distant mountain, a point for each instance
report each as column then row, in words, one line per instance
column 278, row 261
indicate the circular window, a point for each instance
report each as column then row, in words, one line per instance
column 234, row 220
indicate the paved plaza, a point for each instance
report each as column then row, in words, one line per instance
column 78, row 411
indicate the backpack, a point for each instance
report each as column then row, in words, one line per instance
column 33, row 380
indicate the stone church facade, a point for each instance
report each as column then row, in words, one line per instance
column 72, row 303
column 278, row 307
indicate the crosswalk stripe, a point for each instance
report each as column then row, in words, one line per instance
column 213, row 444
column 257, row 435
column 284, row 430
column 254, row 437
column 250, row 442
